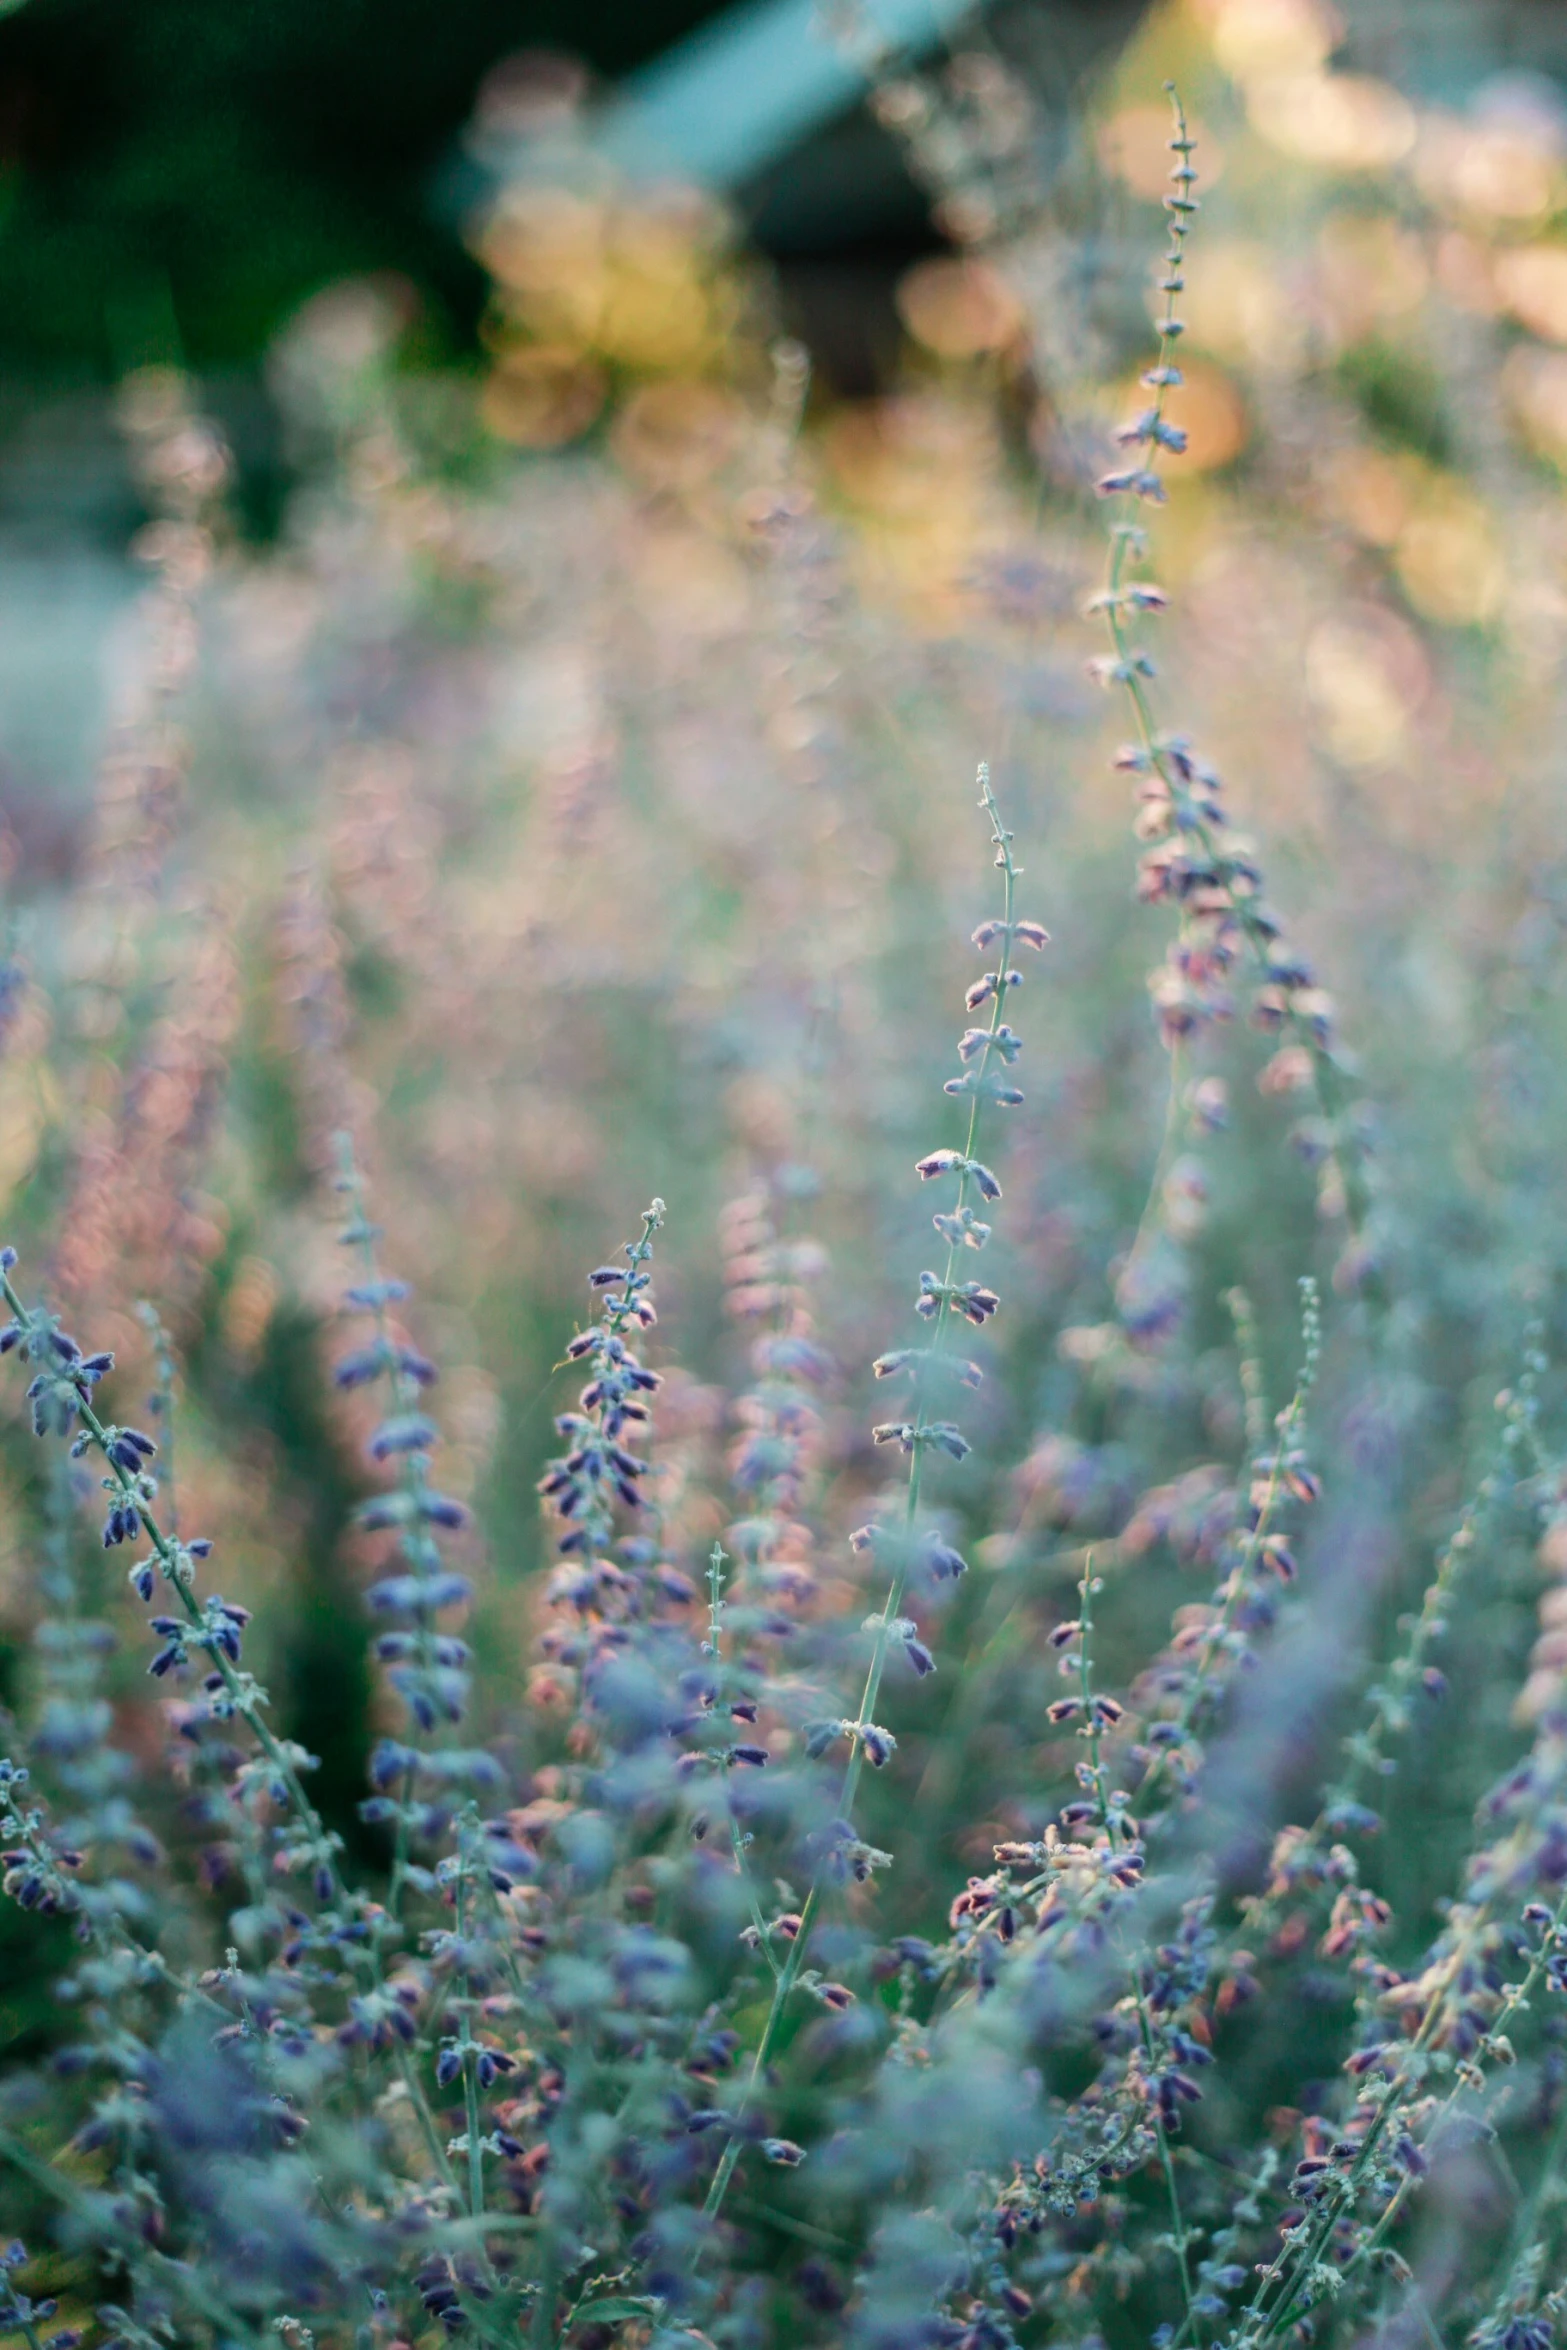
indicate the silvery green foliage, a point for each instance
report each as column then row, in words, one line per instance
column 632, row 2035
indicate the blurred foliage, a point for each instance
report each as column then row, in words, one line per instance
column 572, row 803
column 177, row 177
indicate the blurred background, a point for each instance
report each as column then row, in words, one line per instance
column 516, row 527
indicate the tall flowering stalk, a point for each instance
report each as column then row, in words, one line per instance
column 426, row 1662
column 599, row 1476
column 61, row 1395
column 1192, row 859
column 987, row 1053
column 72, row 1734
column 614, row 2152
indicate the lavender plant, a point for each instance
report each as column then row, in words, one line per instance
column 503, row 2117
column 681, row 2001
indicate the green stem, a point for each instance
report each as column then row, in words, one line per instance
column 1111, row 1828
column 788, row 1972
column 1169, row 1143
column 25, row 2327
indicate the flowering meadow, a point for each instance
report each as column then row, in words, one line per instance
column 784, row 1452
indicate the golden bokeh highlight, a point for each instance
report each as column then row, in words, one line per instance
column 1340, row 122
column 593, row 290
column 960, row 309
column 1531, row 281
column 1254, row 38
column 1500, row 174
column 1366, row 678
column 1133, row 145
column 1450, row 560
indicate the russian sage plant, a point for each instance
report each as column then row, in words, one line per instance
column 656, row 2007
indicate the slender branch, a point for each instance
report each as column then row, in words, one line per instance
column 1113, row 1828
column 1156, row 754
column 789, row 1971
